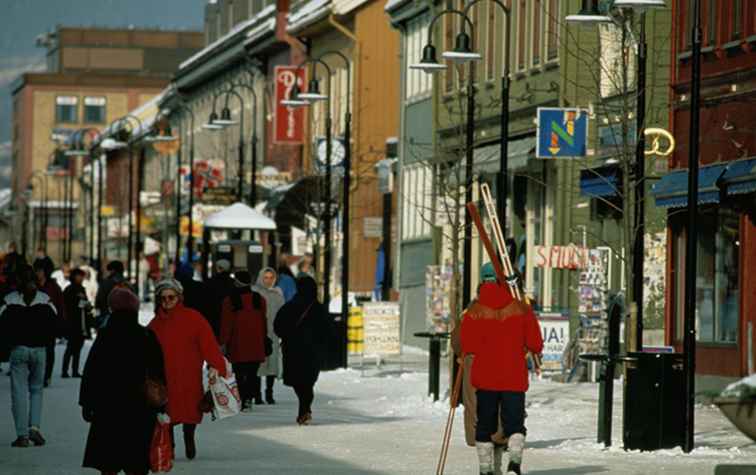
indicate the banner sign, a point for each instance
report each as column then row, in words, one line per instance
column 561, row 257
column 288, row 127
column 556, row 336
column 381, row 329
column 562, row 133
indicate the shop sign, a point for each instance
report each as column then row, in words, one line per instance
column 221, row 195
column 373, row 227
column 562, row 133
column 561, row 257
column 288, row 127
column 555, row 329
column 381, row 329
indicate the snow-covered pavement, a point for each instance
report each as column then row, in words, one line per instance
column 378, row 421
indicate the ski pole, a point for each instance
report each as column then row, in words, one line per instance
column 450, row 419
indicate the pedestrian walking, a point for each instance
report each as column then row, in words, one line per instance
column 274, row 300
column 244, row 334
column 27, row 324
column 113, row 279
column 306, row 266
column 43, row 267
column 112, row 396
column 286, row 282
column 498, row 331
column 302, row 325
column 469, row 398
column 187, row 342
column 78, row 321
column 219, row 286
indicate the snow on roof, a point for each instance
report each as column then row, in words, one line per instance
column 392, row 4
column 233, row 32
column 260, row 31
column 239, row 216
column 308, row 13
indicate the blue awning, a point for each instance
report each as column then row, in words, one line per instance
column 672, row 190
column 600, row 182
column 740, row 177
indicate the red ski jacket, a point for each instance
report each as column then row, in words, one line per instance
column 499, row 331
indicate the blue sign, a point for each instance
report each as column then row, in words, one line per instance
column 562, row 133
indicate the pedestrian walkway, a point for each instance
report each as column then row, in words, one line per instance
column 377, row 422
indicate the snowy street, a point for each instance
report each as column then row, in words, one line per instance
column 378, row 421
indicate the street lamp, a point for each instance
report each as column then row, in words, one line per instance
column 313, row 95
column 461, row 54
column 41, row 239
column 618, row 13
column 78, row 149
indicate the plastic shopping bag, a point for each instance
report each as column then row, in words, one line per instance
column 161, row 449
column 225, row 392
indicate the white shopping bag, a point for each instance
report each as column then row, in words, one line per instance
column 225, row 392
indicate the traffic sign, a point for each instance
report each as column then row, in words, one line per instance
column 562, row 133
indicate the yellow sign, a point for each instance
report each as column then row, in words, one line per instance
column 184, row 227
column 656, row 135
column 107, row 211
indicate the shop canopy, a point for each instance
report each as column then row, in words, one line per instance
column 740, row 177
column 239, row 216
column 672, row 190
column 601, row 182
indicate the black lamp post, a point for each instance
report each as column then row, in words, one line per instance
column 40, row 240
column 79, row 149
column 462, row 53
column 691, row 257
column 226, row 120
column 297, row 99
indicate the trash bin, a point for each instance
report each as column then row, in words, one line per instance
column 336, row 356
column 654, row 413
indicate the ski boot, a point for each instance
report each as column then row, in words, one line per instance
column 516, row 447
column 485, row 457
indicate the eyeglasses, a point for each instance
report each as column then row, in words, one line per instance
column 168, row 298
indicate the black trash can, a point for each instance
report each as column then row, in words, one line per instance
column 654, row 409
column 336, row 356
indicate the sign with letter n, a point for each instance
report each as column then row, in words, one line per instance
column 562, row 133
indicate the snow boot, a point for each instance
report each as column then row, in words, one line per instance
column 269, row 396
column 485, row 457
column 516, row 447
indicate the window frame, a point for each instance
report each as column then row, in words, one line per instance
column 521, row 50
column 536, row 34
column 58, row 116
column 104, row 106
column 552, row 31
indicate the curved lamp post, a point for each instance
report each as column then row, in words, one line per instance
column 462, row 53
column 78, row 149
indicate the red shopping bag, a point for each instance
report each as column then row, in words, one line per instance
column 161, row 449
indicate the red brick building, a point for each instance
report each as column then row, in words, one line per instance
column 726, row 281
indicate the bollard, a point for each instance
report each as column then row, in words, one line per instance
column 434, row 361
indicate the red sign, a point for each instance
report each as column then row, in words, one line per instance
column 289, row 123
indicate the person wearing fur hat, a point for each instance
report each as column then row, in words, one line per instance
column 498, row 331
column 187, row 342
column 274, row 300
column 111, row 394
column 243, row 333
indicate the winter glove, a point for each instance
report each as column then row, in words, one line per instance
column 87, row 414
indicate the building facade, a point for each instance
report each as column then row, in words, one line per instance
column 725, row 290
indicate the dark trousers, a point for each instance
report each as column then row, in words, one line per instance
column 246, row 379
column 305, row 394
column 73, row 351
column 49, row 360
column 269, row 382
column 511, row 406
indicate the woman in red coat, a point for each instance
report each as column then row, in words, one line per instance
column 243, row 333
column 187, row 342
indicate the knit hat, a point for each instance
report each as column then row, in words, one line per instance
column 487, row 273
column 168, row 284
column 123, row 299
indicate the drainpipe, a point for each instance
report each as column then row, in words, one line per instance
column 401, row 151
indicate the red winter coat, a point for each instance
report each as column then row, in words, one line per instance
column 499, row 331
column 187, row 342
column 243, row 331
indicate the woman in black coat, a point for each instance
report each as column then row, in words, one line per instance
column 78, row 321
column 112, row 394
column 302, row 325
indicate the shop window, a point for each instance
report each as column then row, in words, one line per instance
column 66, row 109
column 417, row 192
column 95, row 110
column 717, row 277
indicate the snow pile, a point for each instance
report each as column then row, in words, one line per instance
column 584, row 447
column 743, row 389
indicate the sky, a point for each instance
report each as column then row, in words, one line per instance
column 21, row 21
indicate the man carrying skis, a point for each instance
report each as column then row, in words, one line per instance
column 499, row 331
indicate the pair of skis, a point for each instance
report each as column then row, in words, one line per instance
column 504, row 275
